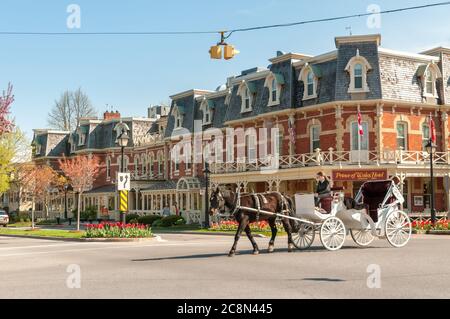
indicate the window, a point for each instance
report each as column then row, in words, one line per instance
column 425, row 135
column 429, row 75
column 178, row 114
column 429, row 82
column 136, row 165
column 309, row 75
column 360, row 142
column 144, row 165
column 150, row 165
column 358, row 67
column 315, row 137
column 206, row 110
column 125, row 161
column 310, row 83
column 402, row 135
column 274, row 91
column 38, row 149
column 82, row 139
column 160, row 164
column 108, row 167
column 251, row 148
column 358, row 75
column 246, row 97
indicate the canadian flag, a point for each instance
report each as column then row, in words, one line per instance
column 432, row 130
column 360, row 127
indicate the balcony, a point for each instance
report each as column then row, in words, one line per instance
column 332, row 158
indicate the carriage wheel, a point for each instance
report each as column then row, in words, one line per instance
column 304, row 238
column 332, row 233
column 362, row 237
column 398, row 229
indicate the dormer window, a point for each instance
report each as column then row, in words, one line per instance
column 274, row 82
column 246, row 96
column 429, row 75
column 358, row 67
column 178, row 113
column 82, row 139
column 206, row 107
column 310, row 75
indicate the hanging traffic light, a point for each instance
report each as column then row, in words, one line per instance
column 229, row 51
column 215, row 52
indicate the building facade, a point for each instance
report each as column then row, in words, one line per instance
column 274, row 128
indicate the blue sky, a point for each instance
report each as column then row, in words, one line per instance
column 132, row 72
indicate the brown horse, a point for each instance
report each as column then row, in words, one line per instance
column 273, row 202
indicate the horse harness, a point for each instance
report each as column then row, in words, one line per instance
column 260, row 200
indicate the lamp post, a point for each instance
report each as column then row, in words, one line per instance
column 122, row 139
column 430, row 147
column 66, row 189
column 207, row 172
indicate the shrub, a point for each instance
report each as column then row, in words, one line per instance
column 133, row 221
column 157, row 223
column 131, row 217
column 181, row 221
column 171, row 220
column 148, row 219
column 90, row 213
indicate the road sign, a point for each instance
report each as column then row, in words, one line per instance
column 124, row 182
column 123, row 196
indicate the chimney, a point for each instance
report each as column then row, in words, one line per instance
column 111, row 115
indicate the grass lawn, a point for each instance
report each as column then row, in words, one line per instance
column 42, row 233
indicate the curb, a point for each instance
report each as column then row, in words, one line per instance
column 205, row 233
column 438, row 232
column 99, row 240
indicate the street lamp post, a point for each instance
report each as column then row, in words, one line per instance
column 207, row 172
column 122, row 140
column 66, row 188
column 430, row 147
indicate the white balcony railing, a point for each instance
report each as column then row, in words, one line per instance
column 333, row 158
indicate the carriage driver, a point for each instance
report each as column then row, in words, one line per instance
column 323, row 188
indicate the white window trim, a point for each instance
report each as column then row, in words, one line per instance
column 435, row 74
column 108, row 168
column 350, row 68
column 39, row 149
column 204, row 107
column 269, row 84
column 304, row 78
column 425, row 139
column 241, row 91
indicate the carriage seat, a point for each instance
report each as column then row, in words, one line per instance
column 325, row 203
column 337, row 189
column 373, row 195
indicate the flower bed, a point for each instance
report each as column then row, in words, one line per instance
column 427, row 225
column 117, row 230
column 261, row 226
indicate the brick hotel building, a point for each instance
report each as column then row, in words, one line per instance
column 312, row 100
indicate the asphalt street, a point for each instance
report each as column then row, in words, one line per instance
column 197, row 266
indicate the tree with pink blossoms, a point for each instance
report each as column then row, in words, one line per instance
column 6, row 100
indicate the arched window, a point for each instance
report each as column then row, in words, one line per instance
column 150, row 165
column 126, row 163
column 310, row 75
column 273, row 83
column 160, row 164
column 136, row 165
column 358, row 67
column 144, row 165
column 246, row 97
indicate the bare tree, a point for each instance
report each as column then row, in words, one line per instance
column 69, row 109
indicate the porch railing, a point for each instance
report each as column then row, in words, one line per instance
column 332, row 158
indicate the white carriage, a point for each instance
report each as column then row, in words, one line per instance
column 379, row 216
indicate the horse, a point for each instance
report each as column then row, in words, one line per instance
column 274, row 202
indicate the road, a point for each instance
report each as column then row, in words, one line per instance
column 196, row 266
